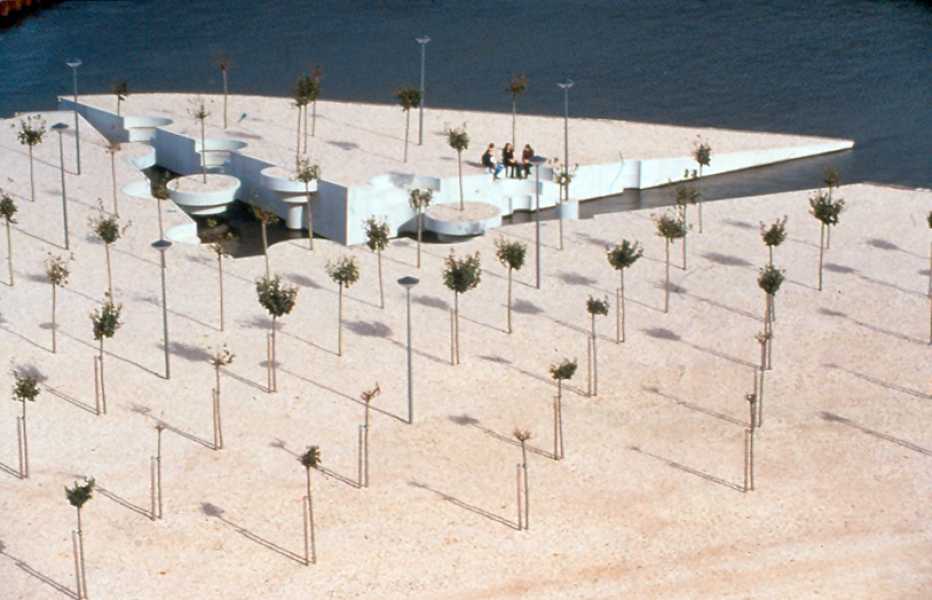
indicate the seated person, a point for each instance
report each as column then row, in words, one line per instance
column 508, row 157
column 488, row 161
column 526, row 155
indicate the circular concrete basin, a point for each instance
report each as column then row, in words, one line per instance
column 198, row 198
column 283, row 180
column 475, row 219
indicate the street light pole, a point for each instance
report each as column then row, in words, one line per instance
column 423, row 41
column 60, row 127
column 162, row 246
column 407, row 283
column 537, row 161
column 74, row 63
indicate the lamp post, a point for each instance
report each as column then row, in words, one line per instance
column 422, row 41
column 74, row 63
column 537, row 161
column 60, row 127
column 162, row 246
column 407, row 283
column 565, row 86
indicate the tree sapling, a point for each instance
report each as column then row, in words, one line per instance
column 344, row 271
column 460, row 276
column 511, row 254
column 377, row 241
column 621, row 257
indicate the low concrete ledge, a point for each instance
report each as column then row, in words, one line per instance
column 475, row 219
column 203, row 199
column 141, row 189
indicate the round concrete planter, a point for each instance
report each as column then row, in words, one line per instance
column 200, row 199
column 475, row 219
column 139, row 154
column 281, row 180
column 138, row 189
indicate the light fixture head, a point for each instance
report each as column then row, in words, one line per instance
column 161, row 245
column 74, row 63
column 408, row 282
column 423, row 40
column 59, row 127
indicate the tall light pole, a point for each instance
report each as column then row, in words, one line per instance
column 423, row 41
column 74, row 63
column 565, row 86
column 60, row 127
column 537, row 161
column 162, row 246
column 407, row 283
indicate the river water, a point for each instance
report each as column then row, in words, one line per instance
column 843, row 68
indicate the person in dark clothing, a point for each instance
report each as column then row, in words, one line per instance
column 508, row 158
column 526, row 155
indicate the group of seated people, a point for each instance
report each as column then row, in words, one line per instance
column 507, row 162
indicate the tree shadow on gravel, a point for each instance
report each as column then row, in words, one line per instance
column 33, row 572
column 212, row 510
column 834, row 418
column 688, row 469
column 467, row 421
column 465, row 506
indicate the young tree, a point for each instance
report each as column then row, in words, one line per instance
column 77, row 497
column 107, row 228
column 420, row 199
column 224, row 62
column 773, row 235
column 621, row 257
column 344, row 272
column 8, row 211
column 30, row 134
column 702, row 154
column 305, row 172
column 120, row 89
column 560, row 372
column 198, row 110
column 669, row 227
column 460, row 276
column 459, row 141
column 309, row 460
column 106, row 321
column 832, row 179
column 301, row 97
column 112, row 149
column 219, row 358
column 221, row 251
column 409, row 98
column 313, row 94
column 25, row 388
column 523, row 435
column 594, row 307
column 57, row 272
column 929, row 221
column 769, row 280
column 826, row 210
column 377, row 240
column 265, row 218
column 686, row 195
column 516, row 87
column 511, row 255
column 367, row 397
column 279, row 300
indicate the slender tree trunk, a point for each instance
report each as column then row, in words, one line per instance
column 556, row 422
column 83, row 590
column 821, row 252
column 365, row 449
column 314, row 118
column 381, row 289
column 620, row 308
column 340, row 321
column 273, row 360
column 527, row 487
column 760, row 401
column 9, row 250
column 684, row 251
column 514, row 119
column 305, row 128
column 32, row 181
column 407, row 123
column 666, row 287
column 265, row 249
column 828, row 237
column 560, row 417
column 770, row 251
column 24, row 469
column 420, row 231
column 699, row 201
column 297, row 148
column 310, row 217
column 459, row 165
column 103, row 388
column 204, row 149
column 312, row 557
column 220, row 281
column 218, row 423
column 456, row 326
column 158, row 208
column 116, row 207
column 109, row 274
column 509, row 299
column 595, row 362
column 225, row 96
column 54, row 326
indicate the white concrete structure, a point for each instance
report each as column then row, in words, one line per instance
column 363, row 176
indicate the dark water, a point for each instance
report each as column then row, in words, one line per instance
column 853, row 69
